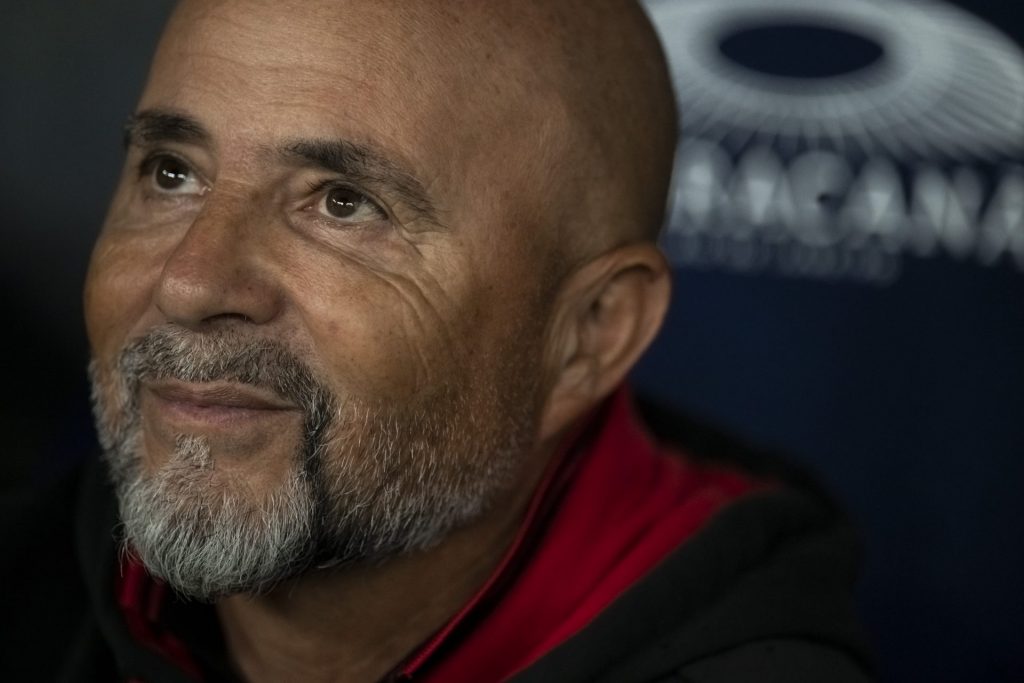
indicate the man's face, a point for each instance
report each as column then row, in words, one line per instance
column 315, row 309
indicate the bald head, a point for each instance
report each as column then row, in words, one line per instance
column 600, row 66
column 605, row 61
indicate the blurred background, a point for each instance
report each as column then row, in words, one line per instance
column 848, row 231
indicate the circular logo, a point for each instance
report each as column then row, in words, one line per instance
column 829, row 138
column 911, row 79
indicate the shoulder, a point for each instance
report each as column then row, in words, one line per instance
column 764, row 591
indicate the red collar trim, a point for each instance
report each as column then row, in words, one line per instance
column 140, row 597
column 557, row 477
column 612, row 505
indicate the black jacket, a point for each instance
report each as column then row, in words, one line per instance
column 762, row 593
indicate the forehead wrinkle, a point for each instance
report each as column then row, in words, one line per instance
column 253, row 75
column 298, row 35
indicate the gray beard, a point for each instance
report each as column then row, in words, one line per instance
column 367, row 483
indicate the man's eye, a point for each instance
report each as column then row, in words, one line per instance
column 169, row 175
column 347, row 205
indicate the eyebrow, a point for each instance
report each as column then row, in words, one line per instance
column 163, row 125
column 362, row 164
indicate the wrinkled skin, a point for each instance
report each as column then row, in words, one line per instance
column 522, row 282
column 389, row 309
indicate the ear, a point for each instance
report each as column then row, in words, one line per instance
column 606, row 315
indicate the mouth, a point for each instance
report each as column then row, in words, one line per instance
column 214, row 403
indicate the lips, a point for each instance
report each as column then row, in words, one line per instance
column 218, row 394
column 214, row 402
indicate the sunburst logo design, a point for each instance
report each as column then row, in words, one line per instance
column 831, row 137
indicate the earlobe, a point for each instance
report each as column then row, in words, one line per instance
column 610, row 310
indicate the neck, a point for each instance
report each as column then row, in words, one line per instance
column 356, row 623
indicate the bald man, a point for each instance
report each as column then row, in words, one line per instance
column 360, row 316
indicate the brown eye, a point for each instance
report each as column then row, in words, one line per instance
column 170, row 174
column 343, row 203
column 350, row 206
column 166, row 176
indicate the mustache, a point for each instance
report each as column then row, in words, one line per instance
column 173, row 352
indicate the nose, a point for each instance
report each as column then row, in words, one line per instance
column 217, row 271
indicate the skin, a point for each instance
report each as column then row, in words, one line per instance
column 542, row 136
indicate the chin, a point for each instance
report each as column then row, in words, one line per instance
column 221, row 510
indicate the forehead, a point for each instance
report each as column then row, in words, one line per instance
column 262, row 69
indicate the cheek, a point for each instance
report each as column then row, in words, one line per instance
column 123, row 272
column 388, row 333
column 379, row 336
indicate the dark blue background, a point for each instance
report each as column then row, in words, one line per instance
column 908, row 400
